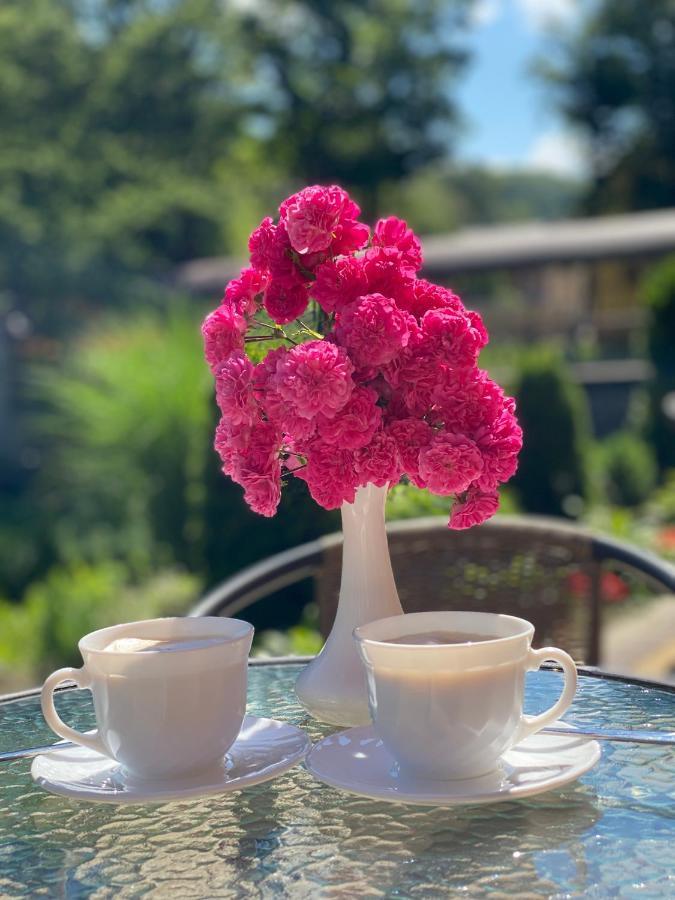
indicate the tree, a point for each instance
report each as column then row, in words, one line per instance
column 116, row 116
column 359, row 91
column 616, row 84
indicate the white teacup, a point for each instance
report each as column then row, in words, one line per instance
column 161, row 713
column 448, row 711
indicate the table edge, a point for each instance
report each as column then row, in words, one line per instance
column 256, row 662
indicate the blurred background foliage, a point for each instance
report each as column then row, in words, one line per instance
column 140, row 134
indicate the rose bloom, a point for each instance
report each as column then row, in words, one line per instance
column 468, row 399
column 473, row 509
column 260, row 244
column 243, row 292
column 338, row 283
column 373, row 329
column 393, row 232
column 411, row 436
column 285, row 301
column 378, row 463
column 262, row 492
column 499, row 444
column 450, row 336
column 314, row 378
column 234, row 389
column 330, row 475
column 425, row 296
column 417, row 377
column 317, row 218
column 223, row 332
column 227, row 449
column 356, row 423
column 387, row 273
column 450, row 463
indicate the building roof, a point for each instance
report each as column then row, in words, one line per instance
column 537, row 243
column 501, row 247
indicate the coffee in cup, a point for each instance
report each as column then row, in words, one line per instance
column 448, row 708
column 169, row 694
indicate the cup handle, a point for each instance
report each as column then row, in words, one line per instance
column 81, row 679
column 531, row 724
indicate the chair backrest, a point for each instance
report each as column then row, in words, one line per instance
column 552, row 573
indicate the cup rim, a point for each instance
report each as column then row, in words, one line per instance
column 527, row 630
column 93, row 637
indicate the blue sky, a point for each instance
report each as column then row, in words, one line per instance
column 510, row 119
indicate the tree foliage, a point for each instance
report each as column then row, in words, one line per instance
column 615, row 77
column 116, row 118
column 358, row 91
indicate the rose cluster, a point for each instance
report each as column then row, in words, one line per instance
column 373, row 373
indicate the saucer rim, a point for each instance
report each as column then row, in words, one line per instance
column 371, row 792
column 140, row 795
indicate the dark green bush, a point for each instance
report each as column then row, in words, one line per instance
column 552, row 473
column 628, row 469
column 658, row 293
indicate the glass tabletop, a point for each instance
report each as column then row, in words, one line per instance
column 611, row 834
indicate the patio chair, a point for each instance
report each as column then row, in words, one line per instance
column 559, row 576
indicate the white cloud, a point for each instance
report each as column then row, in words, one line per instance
column 485, row 12
column 540, row 14
column 560, row 152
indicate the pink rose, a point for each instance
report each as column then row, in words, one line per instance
column 499, row 445
column 223, row 332
column 227, row 449
column 285, row 301
column 280, row 258
column 356, row 422
column 425, row 296
column 450, row 336
column 314, row 378
column 473, row 509
column 262, row 448
column 378, row 463
column 243, row 292
column 262, row 492
column 416, row 375
column 234, row 389
column 330, row 475
column 260, row 244
column 411, row 435
column 393, row 232
column 388, row 273
column 373, row 329
column 450, row 463
column 338, row 283
column 468, row 399
column 317, row 218
column 278, row 410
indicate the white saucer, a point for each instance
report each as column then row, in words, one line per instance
column 264, row 749
column 356, row 761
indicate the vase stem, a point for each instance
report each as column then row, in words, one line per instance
column 333, row 686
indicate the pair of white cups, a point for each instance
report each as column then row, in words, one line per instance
column 443, row 711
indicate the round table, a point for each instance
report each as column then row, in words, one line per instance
column 611, row 834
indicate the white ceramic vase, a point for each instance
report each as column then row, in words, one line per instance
column 333, row 686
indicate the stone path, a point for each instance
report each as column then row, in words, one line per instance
column 642, row 643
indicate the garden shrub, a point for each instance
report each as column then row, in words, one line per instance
column 628, row 469
column 41, row 633
column 658, row 293
column 552, row 474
